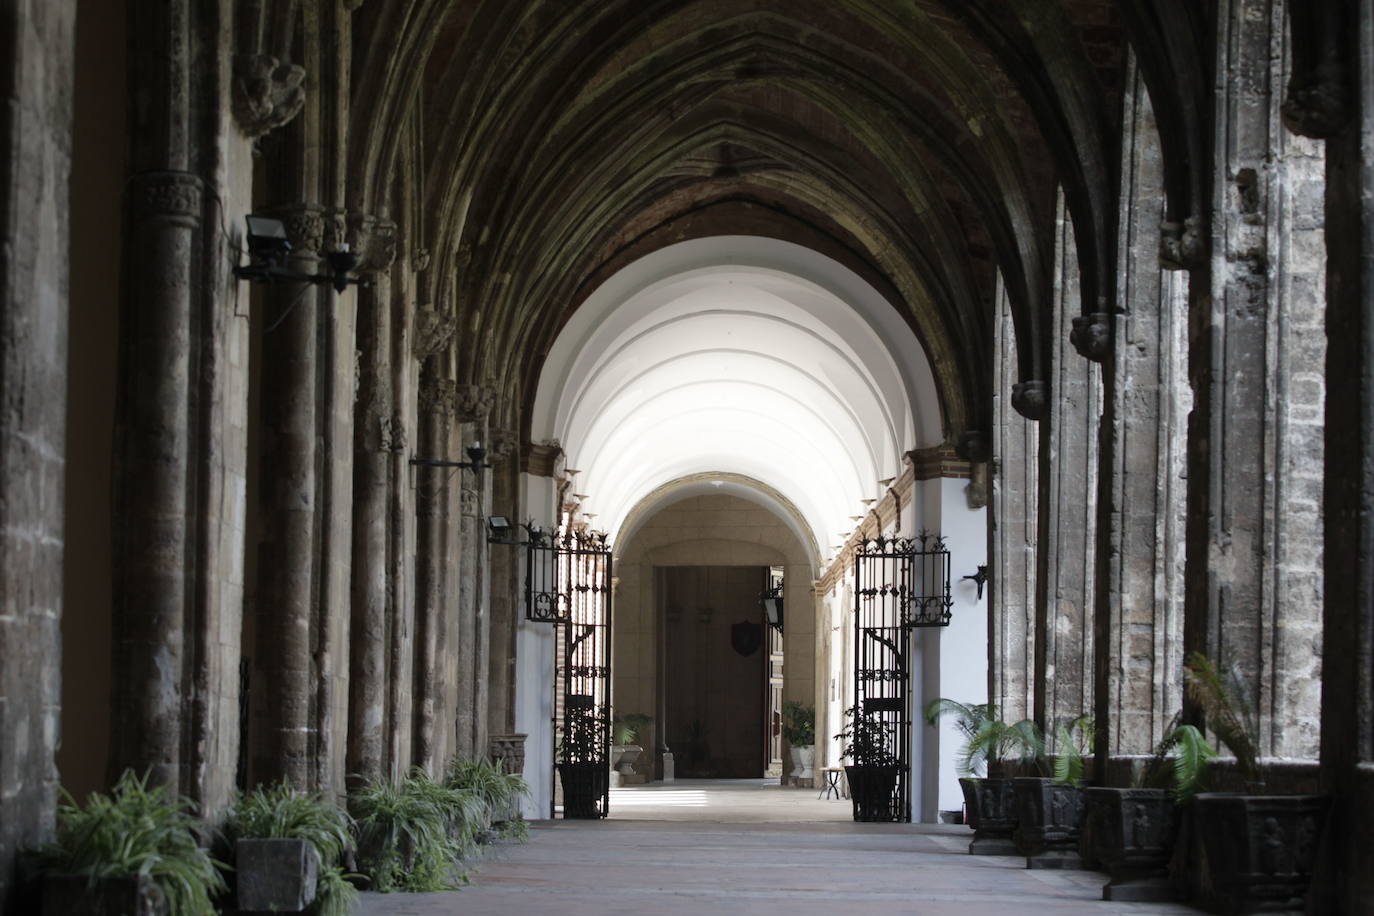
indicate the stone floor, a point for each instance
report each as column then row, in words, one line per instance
column 746, row 846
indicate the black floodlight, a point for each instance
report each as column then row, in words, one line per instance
column 268, row 247
column 499, row 529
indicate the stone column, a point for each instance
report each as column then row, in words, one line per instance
column 1139, row 616
column 1255, row 595
column 473, row 406
column 504, row 563
column 1068, row 507
column 1346, row 884
column 37, row 43
column 1012, row 532
column 378, row 433
column 436, row 409
column 289, row 563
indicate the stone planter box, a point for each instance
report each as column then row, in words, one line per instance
column 1048, row 822
column 992, row 815
column 77, row 895
column 871, row 789
column 1130, row 833
column 275, row 876
column 1259, row 849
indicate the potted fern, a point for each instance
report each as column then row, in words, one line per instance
column 991, row 749
column 1259, row 848
column 288, row 851
column 799, row 731
column 869, row 741
column 1130, row 831
column 133, row 851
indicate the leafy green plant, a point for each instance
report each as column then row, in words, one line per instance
column 799, row 723
column 1226, row 703
column 1179, row 763
column 1073, row 742
column 626, row 729
column 583, row 737
column 987, row 739
column 135, row 831
column 278, row 811
column 499, row 791
column 868, row 739
column 404, row 839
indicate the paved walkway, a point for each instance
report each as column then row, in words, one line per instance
column 712, row 846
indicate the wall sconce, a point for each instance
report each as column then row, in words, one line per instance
column 980, row 578
column 268, row 247
column 772, row 606
column 477, row 459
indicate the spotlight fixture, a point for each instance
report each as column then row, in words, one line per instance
column 268, row 247
column 499, row 529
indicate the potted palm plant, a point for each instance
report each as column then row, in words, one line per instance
column 1259, row 848
column 133, row 851
column 868, row 741
column 992, row 748
column 1050, row 809
column 1130, row 831
column 799, row 731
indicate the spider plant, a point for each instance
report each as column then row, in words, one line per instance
column 403, row 833
column 987, row 739
column 1225, row 702
column 136, row 831
column 278, row 811
column 498, row 791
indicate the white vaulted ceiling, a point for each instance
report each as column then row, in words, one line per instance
column 746, row 357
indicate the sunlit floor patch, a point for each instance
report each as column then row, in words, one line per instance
column 690, row 798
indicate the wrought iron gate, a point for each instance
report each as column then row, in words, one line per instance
column 568, row 583
column 899, row 584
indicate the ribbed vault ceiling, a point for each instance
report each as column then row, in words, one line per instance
column 919, row 143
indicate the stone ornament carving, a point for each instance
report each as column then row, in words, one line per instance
column 433, row 331
column 1182, row 246
column 393, row 434
column 974, row 446
column 372, row 240
column 470, row 503
column 508, row 752
column 419, row 261
column 503, row 442
column 305, row 228
column 1029, row 399
column 474, row 402
column 267, row 93
column 173, row 197
column 1092, row 336
column 437, row 396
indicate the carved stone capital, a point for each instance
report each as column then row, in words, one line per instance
column 392, row 434
column 171, row 197
column 508, row 752
column 503, row 443
column 1182, row 246
column 372, row 240
column 266, row 94
column 437, row 396
column 1030, row 399
column 433, row 331
column 542, row 458
column 474, row 403
column 305, row 228
column 1092, row 336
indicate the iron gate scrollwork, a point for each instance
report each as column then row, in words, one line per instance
column 568, row 583
column 899, row 584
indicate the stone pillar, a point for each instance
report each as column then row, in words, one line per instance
column 436, row 410
column 1012, row 532
column 378, row 433
column 289, row 471
column 473, row 406
column 504, row 563
column 1068, row 507
column 1347, row 733
column 37, row 42
column 1139, row 616
column 1255, row 594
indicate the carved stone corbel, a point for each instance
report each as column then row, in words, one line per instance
column 437, row 396
column 1182, row 246
column 433, row 331
column 420, row 260
column 1029, row 399
column 267, row 93
column 474, row 403
column 503, row 443
column 1092, row 336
